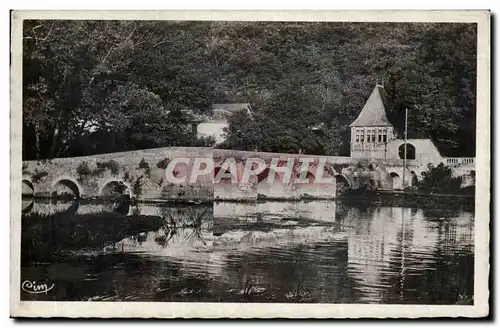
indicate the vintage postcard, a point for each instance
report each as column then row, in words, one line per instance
column 225, row 164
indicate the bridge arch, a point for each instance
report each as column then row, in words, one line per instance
column 278, row 176
column 410, row 151
column 472, row 174
column 115, row 188
column 395, row 181
column 66, row 185
column 342, row 181
column 309, row 177
column 224, row 178
column 28, row 189
column 414, row 178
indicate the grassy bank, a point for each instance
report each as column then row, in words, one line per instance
column 46, row 236
column 59, row 234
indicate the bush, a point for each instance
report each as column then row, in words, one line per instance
column 143, row 164
column 163, row 163
column 439, row 179
column 137, row 186
column 25, row 168
column 38, row 176
column 111, row 165
column 83, row 169
column 204, row 141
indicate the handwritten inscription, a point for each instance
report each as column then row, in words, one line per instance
column 33, row 288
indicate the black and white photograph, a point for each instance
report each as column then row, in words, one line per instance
column 256, row 160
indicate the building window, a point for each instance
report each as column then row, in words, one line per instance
column 373, row 135
column 362, row 136
column 384, row 136
column 380, row 132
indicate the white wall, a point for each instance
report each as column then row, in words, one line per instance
column 213, row 129
column 425, row 150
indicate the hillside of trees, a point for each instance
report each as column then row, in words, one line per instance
column 103, row 86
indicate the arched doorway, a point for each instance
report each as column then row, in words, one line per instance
column 28, row 190
column 410, row 151
column 66, row 189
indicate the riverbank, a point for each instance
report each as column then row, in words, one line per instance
column 45, row 236
column 410, row 199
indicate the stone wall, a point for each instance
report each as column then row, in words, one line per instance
column 141, row 172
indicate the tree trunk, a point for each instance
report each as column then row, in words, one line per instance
column 37, row 142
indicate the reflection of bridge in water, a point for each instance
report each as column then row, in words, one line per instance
column 124, row 207
column 47, row 207
column 314, row 210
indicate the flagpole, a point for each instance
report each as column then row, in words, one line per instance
column 406, row 136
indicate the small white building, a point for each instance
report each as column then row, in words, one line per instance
column 213, row 125
column 373, row 135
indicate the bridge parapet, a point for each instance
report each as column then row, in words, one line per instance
column 141, row 174
column 459, row 161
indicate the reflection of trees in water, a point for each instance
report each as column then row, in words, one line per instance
column 398, row 255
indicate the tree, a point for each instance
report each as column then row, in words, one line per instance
column 439, row 179
column 83, row 81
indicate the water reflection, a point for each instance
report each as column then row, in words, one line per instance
column 316, row 251
column 388, row 247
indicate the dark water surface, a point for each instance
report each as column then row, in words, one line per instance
column 313, row 251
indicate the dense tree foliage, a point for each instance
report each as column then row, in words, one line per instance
column 438, row 179
column 101, row 86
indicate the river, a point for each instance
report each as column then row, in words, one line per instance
column 314, row 251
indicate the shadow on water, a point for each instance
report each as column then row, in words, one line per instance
column 329, row 252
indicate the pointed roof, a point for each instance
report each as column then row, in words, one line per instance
column 373, row 113
column 224, row 111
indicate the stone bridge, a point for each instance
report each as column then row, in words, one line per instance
column 141, row 175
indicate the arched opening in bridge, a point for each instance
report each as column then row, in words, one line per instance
column 65, row 188
column 27, row 205
column 342, row 183
column 264, row 175
column 395, row 181
column 306, row 177
column 28, row 190
column 277, row 177
column 472, row 174
column 115, row 190
column 223, row 176
column 414, row 178
column 410, row 151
